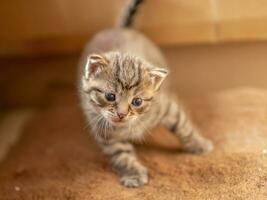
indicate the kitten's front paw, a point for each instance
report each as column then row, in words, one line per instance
column 200, row 146
column 134, row 180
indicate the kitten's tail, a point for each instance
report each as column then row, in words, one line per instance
column 126, row 19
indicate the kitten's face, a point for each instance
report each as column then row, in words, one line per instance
column 119, row 87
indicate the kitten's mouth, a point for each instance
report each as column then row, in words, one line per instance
column 117, row 121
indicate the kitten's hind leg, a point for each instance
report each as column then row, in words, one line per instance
column 177, row 121
column 124, row 161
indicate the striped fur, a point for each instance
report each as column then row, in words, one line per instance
column 177, row 121
column 128, row 67
column 128, row 15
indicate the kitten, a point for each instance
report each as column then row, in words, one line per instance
column 123, row 93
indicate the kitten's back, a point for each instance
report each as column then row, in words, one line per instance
column 125, row 41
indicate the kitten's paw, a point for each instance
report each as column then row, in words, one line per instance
column 201, row 146
column 135, row 180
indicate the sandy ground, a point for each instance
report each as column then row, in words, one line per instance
column 56, row 158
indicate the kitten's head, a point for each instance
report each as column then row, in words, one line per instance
column 120, row 87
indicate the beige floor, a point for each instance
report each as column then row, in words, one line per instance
column 36, row 83
column 55, row 158
column 11, row 127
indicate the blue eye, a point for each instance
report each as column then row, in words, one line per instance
column 137, row 102
column 110, row 96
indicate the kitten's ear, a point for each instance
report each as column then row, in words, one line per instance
column 158, row 75
column 94, row 64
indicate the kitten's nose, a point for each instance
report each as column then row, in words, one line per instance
column 121, row 115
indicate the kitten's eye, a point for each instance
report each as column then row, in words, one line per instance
column 110, row 96
column 137, row 102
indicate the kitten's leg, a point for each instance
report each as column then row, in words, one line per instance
column 125, row 162
column 177, row 121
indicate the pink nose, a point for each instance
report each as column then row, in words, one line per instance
column 121, row 115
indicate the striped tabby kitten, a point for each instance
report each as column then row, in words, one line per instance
column 123, row 92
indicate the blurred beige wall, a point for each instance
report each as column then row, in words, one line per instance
column 62, row 26
column 230, row 36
